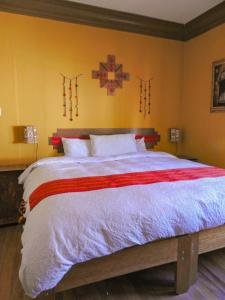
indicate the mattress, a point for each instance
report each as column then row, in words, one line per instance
column 68, row 228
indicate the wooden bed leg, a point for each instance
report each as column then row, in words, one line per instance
column 194, row 259
column 187, row 262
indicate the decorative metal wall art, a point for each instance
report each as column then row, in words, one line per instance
column 145, row 96
column 110, row 75
column 70, row 88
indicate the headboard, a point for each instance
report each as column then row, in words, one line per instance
column 150, row 135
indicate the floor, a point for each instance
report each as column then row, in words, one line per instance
column 153, row 284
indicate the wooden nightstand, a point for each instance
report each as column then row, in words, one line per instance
column 187, row 157
column 10, row 193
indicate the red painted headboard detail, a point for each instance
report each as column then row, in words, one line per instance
column 151, row 136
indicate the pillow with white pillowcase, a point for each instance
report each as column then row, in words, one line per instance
column 115, row 144
column 140, row 143
column 76, row 147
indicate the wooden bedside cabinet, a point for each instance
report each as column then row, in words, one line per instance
column 10, row 193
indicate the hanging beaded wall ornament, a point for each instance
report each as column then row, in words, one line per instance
column 64, row 96
column 67, row 84
column 145, row 96
column 76, row 95
column 70, row 100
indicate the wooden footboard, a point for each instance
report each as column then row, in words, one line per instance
column 184, row 250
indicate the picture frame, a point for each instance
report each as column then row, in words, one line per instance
column 218, row 86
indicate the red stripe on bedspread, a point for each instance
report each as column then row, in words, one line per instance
column 85, row 184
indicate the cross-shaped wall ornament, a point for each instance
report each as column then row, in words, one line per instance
column 111, row 75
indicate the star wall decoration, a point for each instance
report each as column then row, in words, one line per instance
column 110, row 75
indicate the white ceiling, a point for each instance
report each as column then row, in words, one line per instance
column 181, row 11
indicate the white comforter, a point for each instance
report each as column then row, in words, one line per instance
column 67, row 229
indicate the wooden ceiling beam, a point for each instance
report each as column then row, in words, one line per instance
column 73, row 12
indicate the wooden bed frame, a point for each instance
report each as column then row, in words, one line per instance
column 183, row 250
column 151, row 136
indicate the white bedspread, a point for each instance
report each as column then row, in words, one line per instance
column 66, row 229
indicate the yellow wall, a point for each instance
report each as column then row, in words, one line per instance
column 204, row 131
column 34, row 51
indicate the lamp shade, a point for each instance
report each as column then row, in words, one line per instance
column 30, row 134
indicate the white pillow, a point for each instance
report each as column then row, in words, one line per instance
column 140, row 143
column 115, row 144
column 76, row 147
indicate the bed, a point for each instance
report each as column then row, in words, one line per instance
column 183, row 217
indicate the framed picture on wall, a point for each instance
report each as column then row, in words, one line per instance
column 218, row 86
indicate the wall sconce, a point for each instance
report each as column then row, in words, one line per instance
column 30, row 134
column 30, row 137
column 174, row 135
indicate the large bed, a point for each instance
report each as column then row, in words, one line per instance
column 94, row 218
